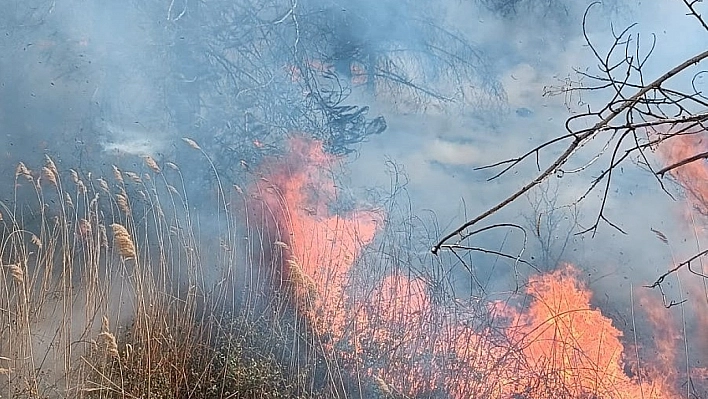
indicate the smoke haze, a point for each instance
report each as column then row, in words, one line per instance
column 419, row 92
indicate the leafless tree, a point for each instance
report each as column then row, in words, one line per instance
column 638, row 116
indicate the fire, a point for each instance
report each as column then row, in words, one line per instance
column 392, row 330
column 567, row 342
column 692, row 177
column 321, row 246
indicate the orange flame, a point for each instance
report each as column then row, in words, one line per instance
column 692, row 177
column 321, row 246
column 391, row 329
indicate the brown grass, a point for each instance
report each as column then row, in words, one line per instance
column 174, row 335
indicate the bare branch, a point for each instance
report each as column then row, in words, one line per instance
column 576, row 144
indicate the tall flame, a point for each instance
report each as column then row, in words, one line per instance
column 393, row 331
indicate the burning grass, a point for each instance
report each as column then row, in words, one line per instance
column 282, row 298
column 105, row 293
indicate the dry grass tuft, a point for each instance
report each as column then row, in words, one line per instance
column 126, row 248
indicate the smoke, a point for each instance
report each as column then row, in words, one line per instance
column 415, row 96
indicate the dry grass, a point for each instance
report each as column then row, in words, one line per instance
column 173, row 298
column 180, row 305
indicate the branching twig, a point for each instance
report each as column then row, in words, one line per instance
column 644, row 102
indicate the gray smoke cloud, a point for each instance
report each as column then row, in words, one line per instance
column 438, row 88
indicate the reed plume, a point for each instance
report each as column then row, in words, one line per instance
column 301, row 280
column 50, row 165
column 68, row 200
column 74, row 176
column 191, row 143
column 117, row 174
column 36, row 241
column 23, row 171
column 122, row 201
column 134, row 177
column 50, row 175
column 126, row 248
column 150, row 162
column 103, row 184
column 17, row 273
